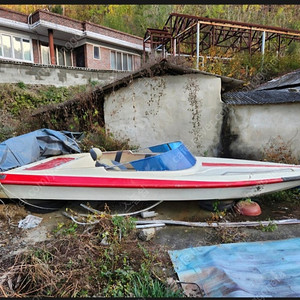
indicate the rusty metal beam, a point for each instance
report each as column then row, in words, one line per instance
column 222, row 22
column 180, row 29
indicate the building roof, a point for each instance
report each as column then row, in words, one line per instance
column 291, row 79
column 163, row 67
column 66, row 28
column 283, row 89
column 262, row 97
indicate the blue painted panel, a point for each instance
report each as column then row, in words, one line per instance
column 254, row 269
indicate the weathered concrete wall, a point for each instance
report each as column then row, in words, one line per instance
column 256, row 128
column 59, row 76
column 167, row 108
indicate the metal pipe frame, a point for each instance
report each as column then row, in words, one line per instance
column 180, row 29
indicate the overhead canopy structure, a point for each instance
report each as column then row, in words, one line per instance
column 192, row 35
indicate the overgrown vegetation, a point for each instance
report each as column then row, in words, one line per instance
column 17, row 101
column 16, row 98
column 98, row 137
column 76, row 263
column 279, row 151
column 135, row 19
column 252, row 69
column 291, row 196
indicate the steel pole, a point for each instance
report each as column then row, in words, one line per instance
column 197, row 45
column 263, row 48
column 263, row 42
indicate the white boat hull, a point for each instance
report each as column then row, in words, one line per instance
column 141, row 194
column 208, row 179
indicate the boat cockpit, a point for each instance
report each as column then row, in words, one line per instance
column 164, row 157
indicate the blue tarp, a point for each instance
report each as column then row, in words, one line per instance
column 36, row 145
column 254, row 269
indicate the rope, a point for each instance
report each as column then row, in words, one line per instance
column 22, row 200
column 120, row 215
column 73, row 218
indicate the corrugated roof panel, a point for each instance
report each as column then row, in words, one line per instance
column 262, row 97
column 289, row 79
column 253, row 269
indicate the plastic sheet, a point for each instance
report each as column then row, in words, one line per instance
column 33, row 146
column 30, row 222
column 254, row 269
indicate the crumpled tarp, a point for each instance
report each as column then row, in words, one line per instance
column 254, row 269
column 36, row 145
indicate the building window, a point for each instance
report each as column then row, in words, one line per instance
column 125, row 62
column 113, row 60
column 68, row 55
column 45, row 53
column 63, row 56
column 96, row 52
column 18, row 48
column 27, row 49
column 15, row 47
column 6, row 39
column 130, row 63
column 120, row 61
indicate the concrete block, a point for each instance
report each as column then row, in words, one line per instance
column 148, row 214
column 146, row 234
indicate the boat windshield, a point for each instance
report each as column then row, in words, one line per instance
column 171, row 157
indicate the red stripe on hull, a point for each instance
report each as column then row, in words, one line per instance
column 73, row 181
column 52, row 163
column 207, row 164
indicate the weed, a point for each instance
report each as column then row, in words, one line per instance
column 70, row 263
column 230, row 235
column 279, row 151
column 44, row 255
column 98, row 137
column 290, row 196
column 64, row 229
column 216, row 204
column 21, row 85
column 143, row 285
column 268, row 228
column 123, row 225
column 93, row 83
column 77, row 265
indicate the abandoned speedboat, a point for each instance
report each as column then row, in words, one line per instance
column 163, row 172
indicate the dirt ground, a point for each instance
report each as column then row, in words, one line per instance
column 15, row 240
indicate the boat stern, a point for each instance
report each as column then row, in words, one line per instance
column 2, row 192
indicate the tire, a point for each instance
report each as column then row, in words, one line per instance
column 221, row 206
column 44, row 206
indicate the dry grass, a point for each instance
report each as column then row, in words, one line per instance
column 75, row 263
column 279, row 151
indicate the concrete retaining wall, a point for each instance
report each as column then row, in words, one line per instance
column 11, row 72
column 255, row 129
column 168, row 108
